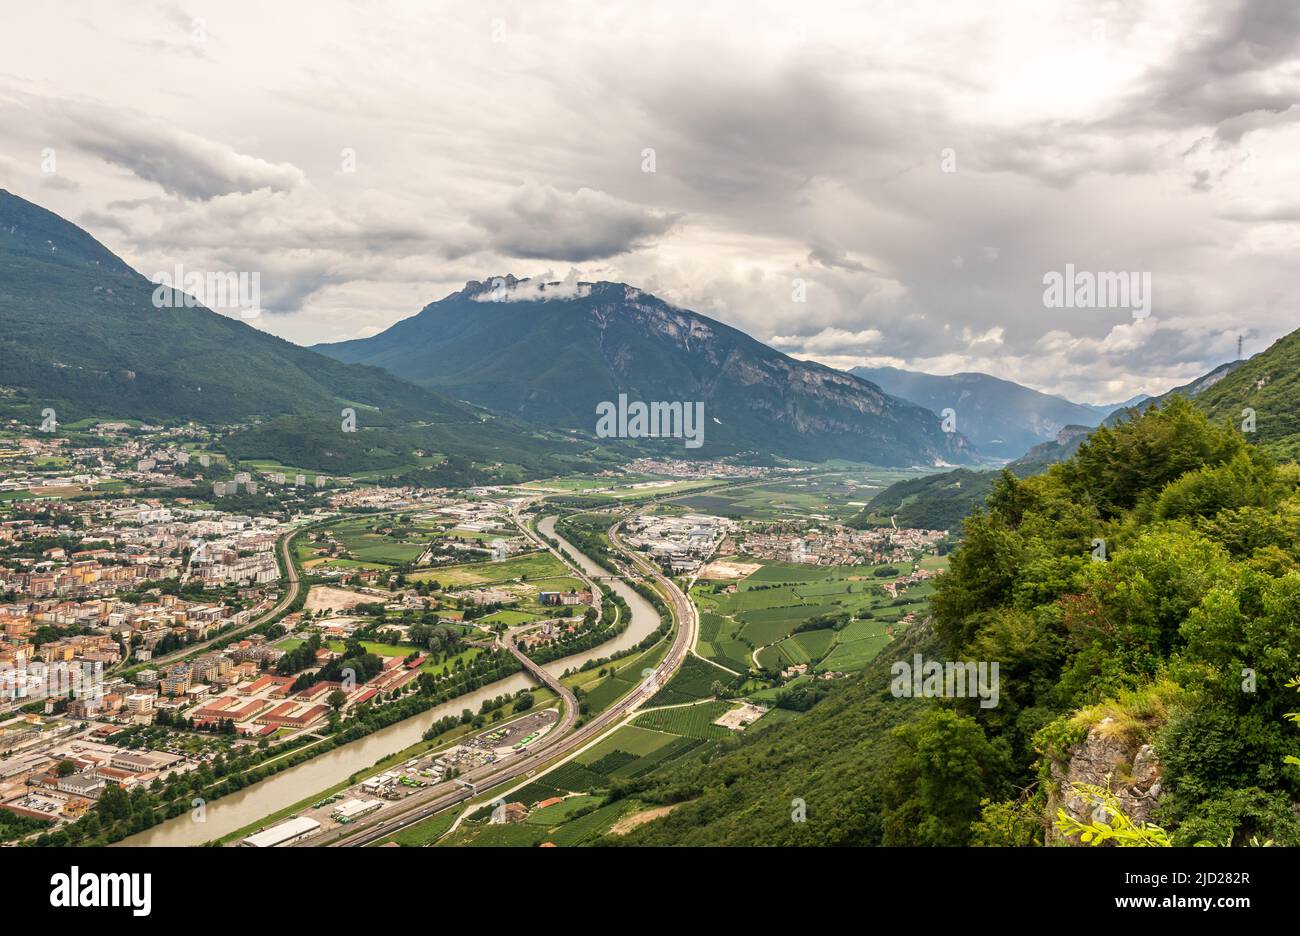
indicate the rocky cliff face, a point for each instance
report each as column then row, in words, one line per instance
column 1106, row 759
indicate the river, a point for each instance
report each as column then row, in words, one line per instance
column 252, row 803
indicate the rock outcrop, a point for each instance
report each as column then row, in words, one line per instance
column 1104, row 758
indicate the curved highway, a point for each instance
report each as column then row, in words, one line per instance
column 422, row 805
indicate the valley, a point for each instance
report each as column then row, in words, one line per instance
column 465, row 620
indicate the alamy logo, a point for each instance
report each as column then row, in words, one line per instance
column 638, row 420
column 1082, row 290
column 930, row 679
column 221, row 292
column 75, row 889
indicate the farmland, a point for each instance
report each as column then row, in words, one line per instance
column 370, row 542
column 529, row 567
column 835, row 495
column 688, row 721
column 585, row 815
column 773, row 616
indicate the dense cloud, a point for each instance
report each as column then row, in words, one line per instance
column 859, row 183
column 541, row 223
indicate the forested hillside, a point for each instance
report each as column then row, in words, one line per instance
column 931, row 502
column 1144, row 594
column 1267, row 388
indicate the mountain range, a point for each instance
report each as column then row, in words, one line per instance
column 551, row 353
column 1191, row 389
column 1001, row 418
column 509, row 373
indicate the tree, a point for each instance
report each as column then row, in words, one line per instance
column 944, row 767
column 337, row 699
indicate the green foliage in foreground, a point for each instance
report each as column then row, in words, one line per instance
column 1154, row 578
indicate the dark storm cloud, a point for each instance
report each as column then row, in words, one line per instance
column 540, row 222
column 1231, row 73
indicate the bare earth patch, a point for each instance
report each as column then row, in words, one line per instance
column 630, row 822
column 724, row 569
column 738, row 719
column 329, row 598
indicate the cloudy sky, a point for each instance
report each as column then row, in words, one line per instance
column 911, row 169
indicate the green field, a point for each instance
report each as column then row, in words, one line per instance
column 759, row 621
column 832, row 495
column 426, row 832
column 508, row 618
column 527, row 567
column 366, row 542
column 693, row 681
column 689, row 721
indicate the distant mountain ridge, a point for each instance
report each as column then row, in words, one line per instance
column 1000, row 417
column 1267, row 386
column 551, row 353
column 1191, row 390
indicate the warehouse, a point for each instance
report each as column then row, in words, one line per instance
column 286, row 833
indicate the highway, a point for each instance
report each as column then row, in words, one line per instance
column 557, row 742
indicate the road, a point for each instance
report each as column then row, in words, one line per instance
column 556, row 744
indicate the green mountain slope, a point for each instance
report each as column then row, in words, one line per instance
column 78, row 329
column 551, row 361
column 1001, row 418
column 1268, row 384
column 79, row 333
column 943, row 500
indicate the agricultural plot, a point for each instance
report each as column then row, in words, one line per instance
column 630, row 741
column 688, row 721
column 835, row 495
column 574, row 777
column 693, row 681
column 810, row 645
column 591, row 826
column 535, row 792
column 724, row 649
column 609, row 690
column 527, row 567
column 760, row 620
column 853, row 655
